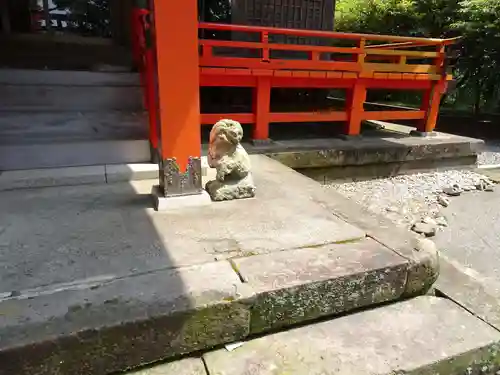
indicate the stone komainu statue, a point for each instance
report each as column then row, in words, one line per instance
column 226, row 154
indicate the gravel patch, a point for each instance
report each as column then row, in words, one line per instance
column 407, row 199
column 491, row 153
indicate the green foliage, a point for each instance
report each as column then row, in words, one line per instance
column 89, row 17
column 476, row 21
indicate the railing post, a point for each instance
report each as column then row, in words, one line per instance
column 262, row 108
column 355, row 99
column 265, row 47
column 431, row 99
column 361, row 56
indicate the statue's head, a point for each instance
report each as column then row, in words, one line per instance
column 225, row 136
column 227, row 131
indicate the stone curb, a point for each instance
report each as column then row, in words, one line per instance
column 129, row 321
column 379, row 151
column 421, row 336
column 440, row 339
column 70, row 176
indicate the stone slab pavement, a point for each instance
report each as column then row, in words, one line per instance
column 75, row 234
column 472, row 239
column 93, row 280
column 425, row 335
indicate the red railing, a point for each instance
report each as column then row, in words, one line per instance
column 366, row 62
column 395, row 52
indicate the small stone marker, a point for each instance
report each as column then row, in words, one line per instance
column 227, row 155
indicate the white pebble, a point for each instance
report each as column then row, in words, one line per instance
column 406, row 197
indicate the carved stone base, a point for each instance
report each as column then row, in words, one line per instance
column 162, row 203
column 173, row 182
column 229, row 190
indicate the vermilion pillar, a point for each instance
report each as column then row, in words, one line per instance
column 355, row 99
column 176, row 35
column 430, row 104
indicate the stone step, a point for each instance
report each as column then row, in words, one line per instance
column 426, row 335
column 124, row 321
column 95, row 281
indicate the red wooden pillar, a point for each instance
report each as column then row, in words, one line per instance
column 431, row 99
column 262, row 108
column 176, row 34
column 430, row 104
column 355, row 99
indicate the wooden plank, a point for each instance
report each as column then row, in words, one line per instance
column 388, row 52
column 282, row 73
column 214, row 71
column 278, row 46
column 307, row 116
column 408, row 68
column 393, row 115
column 227, row 81
column 300, row 74
column 275, row 64
column 212, row 118
column 326, row 83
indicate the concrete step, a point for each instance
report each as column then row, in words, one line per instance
column 426, row 335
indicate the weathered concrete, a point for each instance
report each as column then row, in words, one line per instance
column 111, row 324
column 92, row 274
column 305, row 284
column 393, row 148
column 61, row 234
column 190, row 366
column 424, row 336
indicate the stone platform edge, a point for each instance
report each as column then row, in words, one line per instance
column 89, row 175
column 216, row 303
column 394, row 154
column 377, row 151
column 105, row 330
